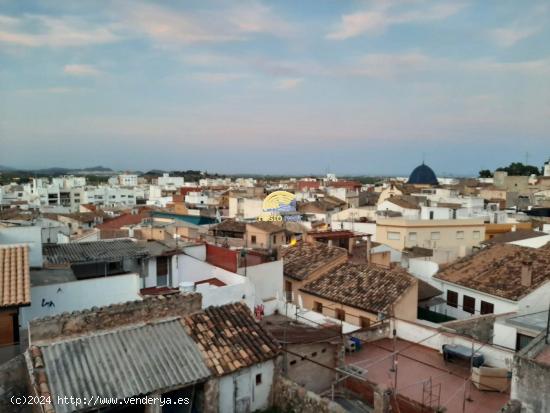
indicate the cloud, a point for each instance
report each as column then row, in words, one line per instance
column 507, row 37
column 218, row 78
column 169, row 26
column 81, row 70
column 47, row 31
column 380, row 65
column 289, row 83
column 381, row 17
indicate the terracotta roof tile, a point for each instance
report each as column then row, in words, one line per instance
column 14, row 276
column 496, row 270
column 304, row 258
column 366, row 287
column 230, row 338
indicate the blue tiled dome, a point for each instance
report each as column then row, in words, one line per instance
column 422, row 175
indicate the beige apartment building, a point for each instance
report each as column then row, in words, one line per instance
column 448, row 238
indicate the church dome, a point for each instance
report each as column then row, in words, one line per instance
column 422, row 175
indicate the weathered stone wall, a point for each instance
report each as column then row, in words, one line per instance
column 13, row 382
column 116, row 315
column 291, row 398
column 211, row 396
column 480, row 328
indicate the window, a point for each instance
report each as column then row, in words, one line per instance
column 435, row 235
column 274, row 239
column 412, row 236
column 314, row 354
column 452, row 298
column 487, row 308
column 394, row 235
column 522, row 340
column 318, row 307
column 459, row 234
column 293, row 362
column 469, row 304
column 477, row 234
column 454, row 213
column 340, row 314
column 162, row 271
column 258, row 379
column 253, row 239
column 365, row 322
column 431, row 215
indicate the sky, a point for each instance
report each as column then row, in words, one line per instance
column 294, row 87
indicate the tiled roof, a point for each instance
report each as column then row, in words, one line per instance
column 404, row 202
column 266, row 227
column 92, row 251
column 496, row 270
column 125, row 219
column 513, row 236
column 230, row 338
column 366, row 287
column 304, row 258
column 121, row 363
column 14, row 276
column 230, row 225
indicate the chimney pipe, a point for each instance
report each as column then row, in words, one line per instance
column 369, row 246
column 527, row 272
column 330, row 243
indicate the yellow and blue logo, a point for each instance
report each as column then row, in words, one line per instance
column 277, row 205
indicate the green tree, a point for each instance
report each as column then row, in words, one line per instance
column 485, row 173
column 519, row 169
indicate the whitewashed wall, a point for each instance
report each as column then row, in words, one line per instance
column 415, row 332
column 79, row 295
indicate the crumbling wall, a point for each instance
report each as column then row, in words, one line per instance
column 292, row 398
column 116, row 315
column 13, row 382
column 479, row 328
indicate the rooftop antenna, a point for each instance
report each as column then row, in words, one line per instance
column 423, row 157
column 526, row 158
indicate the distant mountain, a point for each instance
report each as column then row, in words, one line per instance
column 56, row 170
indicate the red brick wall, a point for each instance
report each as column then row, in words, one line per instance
column 221, row 257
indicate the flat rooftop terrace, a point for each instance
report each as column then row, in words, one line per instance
column 417, row 364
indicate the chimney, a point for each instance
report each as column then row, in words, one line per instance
column 369, row 246
column 330, row 243
column 527, row 272
column 514, row 228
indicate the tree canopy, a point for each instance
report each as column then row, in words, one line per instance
column 519, row 169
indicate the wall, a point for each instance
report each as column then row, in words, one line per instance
column 530, row 379
column 309, row 375
column 13, row 379
column 196, row 251
column 358, row 227
column 221, row 257
column 259, row 394
column 32, row 236
column 267, row 279
column 406, row 307
column 415, row 332
column 78, row 295
column 423, row 228
column 500, row 305
column 237, row 288
column 115, row 315
column 290, row 397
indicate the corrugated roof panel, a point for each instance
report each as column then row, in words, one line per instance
column 123, row 363
column 92, row 251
